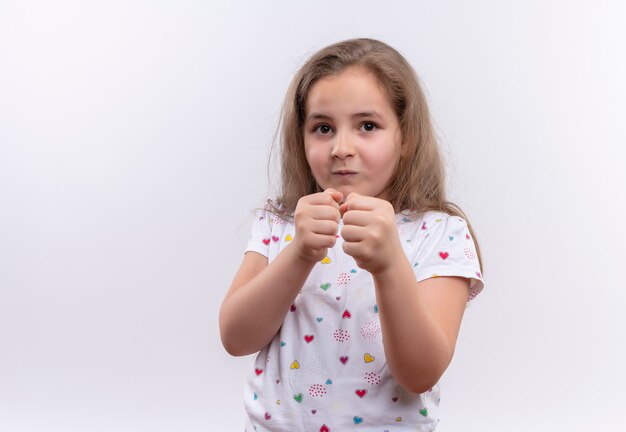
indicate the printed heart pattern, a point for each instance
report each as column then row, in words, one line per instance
column 343, row 279
column 317, row 390
column 370, row 330
column 324, row 428
column 356, row 316
column 372, row 378
column 341, row 335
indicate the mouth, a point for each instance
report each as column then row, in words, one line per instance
column 344, row 172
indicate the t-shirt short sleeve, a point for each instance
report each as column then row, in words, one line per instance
column 448, row 249
column 260, row 233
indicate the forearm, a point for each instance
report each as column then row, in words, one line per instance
column 415, row 346
column 253, row 314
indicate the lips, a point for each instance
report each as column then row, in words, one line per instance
column 344, row 172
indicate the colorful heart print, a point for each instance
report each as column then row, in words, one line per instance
column 470, row 253
column 372, row 378
column 341, row 335
column 370, row 330
column 317, row 390
column 360, row 393
column 343, row 278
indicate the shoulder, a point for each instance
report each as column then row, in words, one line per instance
column 268, row 228
column 271, row 218
column 430, row 219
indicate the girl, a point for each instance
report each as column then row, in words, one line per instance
column 355, row 279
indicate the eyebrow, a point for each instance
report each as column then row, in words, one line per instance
column 321, row 116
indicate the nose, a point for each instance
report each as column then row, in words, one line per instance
column 343, row 146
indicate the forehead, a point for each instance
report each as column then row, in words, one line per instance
column 355, row 89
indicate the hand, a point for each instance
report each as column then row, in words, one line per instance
column 317, row 220
column 369, row 232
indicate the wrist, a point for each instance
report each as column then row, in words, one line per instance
column 303, row 257
column 398, row 266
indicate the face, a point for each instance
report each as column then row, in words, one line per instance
column 352, row 137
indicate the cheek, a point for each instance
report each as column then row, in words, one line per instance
column 314, row 156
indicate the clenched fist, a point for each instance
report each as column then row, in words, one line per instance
column 317, row 220
column 369, row 232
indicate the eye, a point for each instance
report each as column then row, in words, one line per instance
column 322, row 129
column 368, row 127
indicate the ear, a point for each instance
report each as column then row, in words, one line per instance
column 404, row 148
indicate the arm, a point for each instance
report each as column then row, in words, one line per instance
column 259, row 297
column 420, row 323
column 256, row 303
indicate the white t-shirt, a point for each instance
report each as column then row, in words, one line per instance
column 325, row 369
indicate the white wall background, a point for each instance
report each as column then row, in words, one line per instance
column 134, row 137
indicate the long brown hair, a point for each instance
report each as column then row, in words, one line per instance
column 419, row 181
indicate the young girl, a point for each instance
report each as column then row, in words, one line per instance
column 355, row 279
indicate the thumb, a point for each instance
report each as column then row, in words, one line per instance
column 337, row 196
